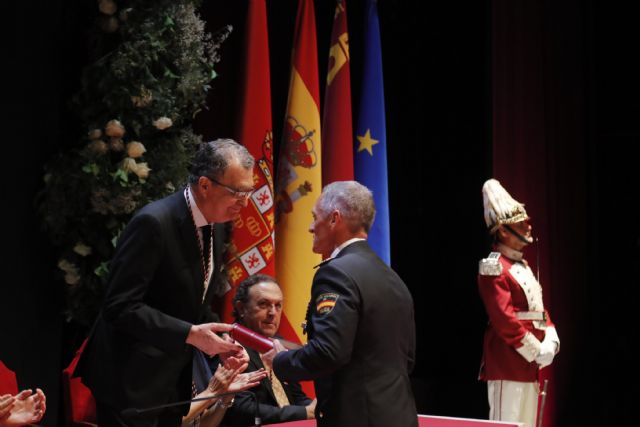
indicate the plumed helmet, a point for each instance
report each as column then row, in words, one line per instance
column 499, row 207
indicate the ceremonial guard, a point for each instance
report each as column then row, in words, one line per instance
column 520, row 338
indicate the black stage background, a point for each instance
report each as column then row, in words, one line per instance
column 437, row 67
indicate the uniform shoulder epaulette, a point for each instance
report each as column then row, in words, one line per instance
column 324, row 261
column 490, row 266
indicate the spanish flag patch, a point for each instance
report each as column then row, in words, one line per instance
column 326, row 302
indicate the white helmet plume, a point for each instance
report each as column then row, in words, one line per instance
column 500, row 207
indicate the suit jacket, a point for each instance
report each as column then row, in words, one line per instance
column 361, row 345
column 136, row 355
column 242, row 413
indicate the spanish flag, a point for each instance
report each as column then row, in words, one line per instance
column 252, row 249
column 299, row 176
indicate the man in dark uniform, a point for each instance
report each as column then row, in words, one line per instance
column 360, row 322
column 258, row 305
column 163, row 276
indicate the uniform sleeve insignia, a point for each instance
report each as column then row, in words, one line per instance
column 326, row 302
column 490, row 266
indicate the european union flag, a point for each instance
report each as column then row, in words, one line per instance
column 370, row 149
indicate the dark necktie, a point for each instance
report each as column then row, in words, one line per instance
column 206, row 243
column 206, row 256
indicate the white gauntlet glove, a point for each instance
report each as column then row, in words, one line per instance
column 548, row 348
column 547, row 352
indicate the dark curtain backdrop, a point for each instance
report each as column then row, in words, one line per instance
column 43, row 50
column 613, row 238
column 544, row 96
column 565, row 113
column 539, row 154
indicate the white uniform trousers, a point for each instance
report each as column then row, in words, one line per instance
column 513, row 401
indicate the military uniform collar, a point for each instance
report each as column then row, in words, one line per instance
column 337, row 250
column 509, row 252
column 323, row 262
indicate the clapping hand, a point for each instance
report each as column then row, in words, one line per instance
column 7, row 402
column 23, row 408
column 231, row 380
column 235, row 358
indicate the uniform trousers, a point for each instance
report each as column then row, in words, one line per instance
column 513, row 401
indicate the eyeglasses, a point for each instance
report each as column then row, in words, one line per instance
column 235, row 193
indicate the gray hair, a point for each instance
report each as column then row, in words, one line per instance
column 353, row 200
column 213, row 158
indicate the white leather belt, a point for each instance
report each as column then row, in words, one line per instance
column 531, row 315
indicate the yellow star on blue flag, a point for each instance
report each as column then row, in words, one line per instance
column 371, row 170
column 366, row 142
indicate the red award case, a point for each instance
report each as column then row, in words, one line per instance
column 251, row 339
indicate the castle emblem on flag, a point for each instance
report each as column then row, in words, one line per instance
column 253, row 261
column 252, row 246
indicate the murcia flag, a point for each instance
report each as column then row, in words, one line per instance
column 337, row 130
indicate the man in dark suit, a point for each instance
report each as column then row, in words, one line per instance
column 258, row 306
column 165, row 271
column 361, row 345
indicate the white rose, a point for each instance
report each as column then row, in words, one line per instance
column 114, row 129
column 72, row 278
column 163, row 123
column 142, row 170
column 82, row 249
column 94, row 134
column 129, row 165
column 66, row 266
column 135, row 149
column 116, row 144
column 98, row 146
column 108, row 7
column 72, row 275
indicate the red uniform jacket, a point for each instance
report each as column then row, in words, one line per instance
column 513, row 290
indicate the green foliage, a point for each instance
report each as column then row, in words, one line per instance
column 137, row 101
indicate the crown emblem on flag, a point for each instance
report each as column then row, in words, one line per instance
column 300, row 146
